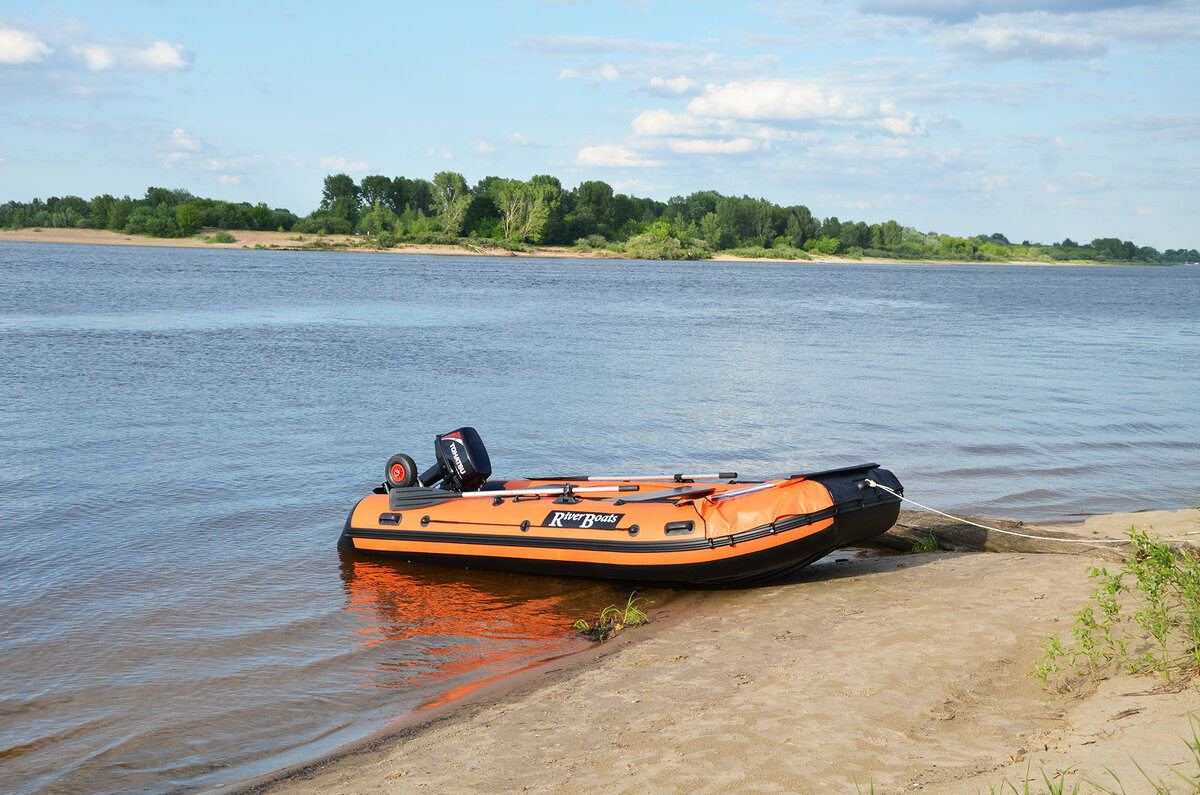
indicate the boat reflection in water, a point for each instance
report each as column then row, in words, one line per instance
column 449, row 630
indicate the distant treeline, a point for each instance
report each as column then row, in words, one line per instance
column 160, row 213
column 539, row 211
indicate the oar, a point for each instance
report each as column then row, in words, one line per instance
column 678, row 478
column 562, row 488
column 747, row 490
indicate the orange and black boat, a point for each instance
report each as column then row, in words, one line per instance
column 704, row 529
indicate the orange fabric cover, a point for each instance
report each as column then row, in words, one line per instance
column 724, row 517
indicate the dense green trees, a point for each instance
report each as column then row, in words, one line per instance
column 539, row 211
column 161, row 212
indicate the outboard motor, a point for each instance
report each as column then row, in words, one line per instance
column 462, row 462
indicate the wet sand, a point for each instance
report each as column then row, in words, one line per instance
column 899, row 672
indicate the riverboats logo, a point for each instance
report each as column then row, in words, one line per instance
column 583, row 520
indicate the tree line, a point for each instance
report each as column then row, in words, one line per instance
column 513, row 213
column 160, row 213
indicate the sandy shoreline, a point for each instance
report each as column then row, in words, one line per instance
column 294, row 241
column 898, row 672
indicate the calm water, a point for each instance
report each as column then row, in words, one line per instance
column 184, row 432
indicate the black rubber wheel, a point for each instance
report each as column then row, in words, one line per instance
column 401, row 471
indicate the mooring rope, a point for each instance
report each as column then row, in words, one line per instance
column 875, row 485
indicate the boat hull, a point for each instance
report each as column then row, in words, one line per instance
column 727, row 534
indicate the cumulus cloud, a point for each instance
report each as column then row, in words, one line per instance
column 710, row 146
column 661, row 122
column 161, row 56
column 680, row 86
column 763, row 109
column 97, row 56
column 21, row 47
column 778, row 100
column 612, row 156
column 964, row 10
column 1018, row 44
column 343, row 165
column 182, row 141
column 68, row 49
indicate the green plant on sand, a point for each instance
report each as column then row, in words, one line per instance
column 1144, row 618
column 927, row 544
column 612, row 620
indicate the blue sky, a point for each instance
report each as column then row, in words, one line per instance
column 1040, row 119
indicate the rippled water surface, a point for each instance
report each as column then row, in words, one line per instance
column 184, row 432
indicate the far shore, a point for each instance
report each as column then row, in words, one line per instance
column 294, row 241
column 877, row 672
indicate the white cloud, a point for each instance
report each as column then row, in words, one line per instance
column 341, row 164
column 681, row 86
column 432, row 152
column 182, row 141
column 1018, row 44
column 230, row 179
column 161, row 56
column 708, row 146
column 483, row 147
column 577, row 45
column 20, row 47
column 762, row 110
column 612, row 155
column 97, row 56
column 779, row 100
column 663, row 122
column 568, row 74
column 68, row 48
column 1081, row 182
column 607, row 72
column 962, row 10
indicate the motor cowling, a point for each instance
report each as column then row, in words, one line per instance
column 462, row 461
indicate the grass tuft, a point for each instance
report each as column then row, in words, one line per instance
column 927, row 544
column 612, row 620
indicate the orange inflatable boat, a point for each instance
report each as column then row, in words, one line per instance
column 703, row 529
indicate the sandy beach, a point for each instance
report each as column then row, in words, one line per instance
column 291, row 240
column 891, row 672
column 245, row 239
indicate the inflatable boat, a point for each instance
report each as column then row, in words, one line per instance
column 700, row 529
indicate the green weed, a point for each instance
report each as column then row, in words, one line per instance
column 1143, row 618
column 927, row 544
column 613, row 619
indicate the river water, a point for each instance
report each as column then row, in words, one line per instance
column 185, row 430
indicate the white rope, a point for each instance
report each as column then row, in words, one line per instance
column 873, row 484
